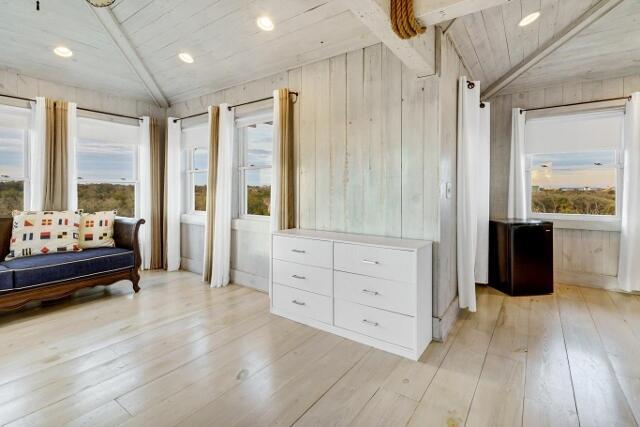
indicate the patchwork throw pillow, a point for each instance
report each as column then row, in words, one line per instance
column 96, row 229
column 37, row 233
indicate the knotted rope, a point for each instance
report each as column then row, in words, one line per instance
column 403, row 21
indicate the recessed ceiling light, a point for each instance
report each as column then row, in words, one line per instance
column 265, row 23
column 529, row 19
column 65, row 52
column 185, row 57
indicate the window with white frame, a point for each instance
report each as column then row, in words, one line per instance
column 198, row 177
column 195, row 149
column 255, row 156
column 574, row 165
column 14, row 159
column 107, row 166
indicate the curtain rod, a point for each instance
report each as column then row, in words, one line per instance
column 79, row 108
column 575, row 103
column 232, row 106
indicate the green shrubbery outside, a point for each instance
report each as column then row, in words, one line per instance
column 106, row 197
column 11, row 197
column 577, row 202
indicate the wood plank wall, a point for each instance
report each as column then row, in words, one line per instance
column 583, row 257
column 20, row 85
column 370, row 156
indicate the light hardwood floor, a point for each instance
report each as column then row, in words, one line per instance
column 180, row 353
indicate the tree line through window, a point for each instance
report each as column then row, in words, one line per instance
column 106, row 176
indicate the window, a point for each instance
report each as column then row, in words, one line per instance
column 14, row 164
column 195, row 166
column 255, row 138
column 574, row 166
column 198, row 176
column 574, row 183
column 107, row 158
column 13, row 170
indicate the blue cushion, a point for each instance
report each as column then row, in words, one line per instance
column 6, row 278
column 51, row 268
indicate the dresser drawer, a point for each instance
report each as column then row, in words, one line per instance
column 380, row 293
column 383, row 325
column 305, row 277
column 318, row 253
column 302, row 303
column 391, row 264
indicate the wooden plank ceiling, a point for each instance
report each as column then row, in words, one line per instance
column 28, row 38
column 492, row 43
column 221, row 35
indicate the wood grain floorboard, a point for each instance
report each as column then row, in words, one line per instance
column 182, row 354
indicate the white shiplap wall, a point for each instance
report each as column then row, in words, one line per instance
column 15, row 84
column 374, row 145
column 584, row 257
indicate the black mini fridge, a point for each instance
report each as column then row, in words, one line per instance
column 521, row 256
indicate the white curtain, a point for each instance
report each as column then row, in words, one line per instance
column 221, row 265
column 469, row 168
column 37, row 129
column 144, row 186
column 173, row 193
column 483, row 184
column 72, row 134
column 629, row 262
column 517, row 202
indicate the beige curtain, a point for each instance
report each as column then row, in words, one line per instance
column 56, row 161
column 157, row 161
column 283, row 213
column 210, row 224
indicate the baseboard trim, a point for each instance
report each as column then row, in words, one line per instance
column 249, row 280
column 586, row 279
column 443, row 325
column 192, row 265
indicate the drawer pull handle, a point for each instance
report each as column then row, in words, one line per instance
column 298, row 251
column 369, row 322
column 296, row 302
column 367, row 291
column 295, row 276
column 368, row 261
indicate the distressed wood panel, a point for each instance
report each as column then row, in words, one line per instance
column 12, row 83
column 338, row 154
column 412, row 156
column 446, row 248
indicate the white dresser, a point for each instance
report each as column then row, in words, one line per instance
column 374, row 290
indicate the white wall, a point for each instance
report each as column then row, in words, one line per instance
column 15, row 84
column 369, row 154
column 583, row 257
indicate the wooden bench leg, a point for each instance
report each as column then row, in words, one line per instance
column 135, row 279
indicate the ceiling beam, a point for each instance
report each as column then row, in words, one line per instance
column 431, row 12
column 417, row 53
column 111, row 24
column 589, row 17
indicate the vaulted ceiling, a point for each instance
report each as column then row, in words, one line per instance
column 221, row 35
column 492, row 43
column 230, row 49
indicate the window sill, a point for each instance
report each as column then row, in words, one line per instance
column 193, row 219
column 583, row 224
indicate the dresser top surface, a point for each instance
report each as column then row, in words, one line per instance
column 363, row 239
